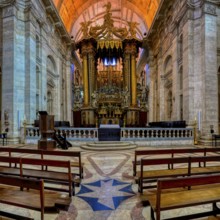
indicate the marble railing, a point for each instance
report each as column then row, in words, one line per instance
column 138, row 134
column 156, row 133
column 71, row 133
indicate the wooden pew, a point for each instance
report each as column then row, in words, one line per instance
column 213, row 218
column 35, row 198
column 189, row 166
column 35, row 171
column 184, row 192
column 42, row 153
column 18, row 197
column 169, row 152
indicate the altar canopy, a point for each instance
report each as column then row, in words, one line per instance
column 110, row 91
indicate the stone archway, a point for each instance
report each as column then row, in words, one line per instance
column 52, row 88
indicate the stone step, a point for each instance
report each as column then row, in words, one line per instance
column 109, row 145
column 112, row 144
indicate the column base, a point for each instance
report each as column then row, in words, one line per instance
column 88, row 117
column 205, row 140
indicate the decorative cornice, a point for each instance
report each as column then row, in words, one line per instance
column 194, row 4
column 53, row 13
column 216, row 2
column 4, row 3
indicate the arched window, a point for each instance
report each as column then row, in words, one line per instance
column 51, row 67
column 168, row 65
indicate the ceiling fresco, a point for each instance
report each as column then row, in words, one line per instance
column 74, row 12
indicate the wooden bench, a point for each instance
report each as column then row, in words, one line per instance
column 214, row 218
column 42, row 153
column 34, row 170
column 151, row 169
column 35, row 198
column 169, row 152
column 186, row 192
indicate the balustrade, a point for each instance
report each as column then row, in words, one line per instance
column 156, row 133
column 138, row 134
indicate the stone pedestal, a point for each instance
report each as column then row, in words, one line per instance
column 88, row 117
column 132, row 117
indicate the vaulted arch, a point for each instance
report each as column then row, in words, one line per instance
column 73, row 12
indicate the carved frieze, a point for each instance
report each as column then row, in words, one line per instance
column 209, row 8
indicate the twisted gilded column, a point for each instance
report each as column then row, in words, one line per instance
column 85, row 79
column 91, row 73
column 133, row 80
column 127, row 71
column 88, row 59
column 130, row 53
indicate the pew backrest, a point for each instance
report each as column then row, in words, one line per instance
column 24, row 183
column 69, row 178
column 43, row 153
column 170, row 152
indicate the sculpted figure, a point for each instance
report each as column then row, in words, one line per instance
column 133, row 29
column 85, row 28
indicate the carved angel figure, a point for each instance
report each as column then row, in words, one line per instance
column 85, row 28
column 133, row 28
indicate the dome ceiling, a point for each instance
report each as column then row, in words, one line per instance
column 74, row 12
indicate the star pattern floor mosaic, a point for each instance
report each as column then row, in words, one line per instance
column 105, row 194
column 108, row 191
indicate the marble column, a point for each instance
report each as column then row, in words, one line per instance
column 68, row 89
column 151, row 100
column 209, row 68
column 188, row 72
column 13, row 70
column 175, row 83
column 30, row 68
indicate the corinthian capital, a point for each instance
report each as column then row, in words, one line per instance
column 194, row 3
column 4, row 3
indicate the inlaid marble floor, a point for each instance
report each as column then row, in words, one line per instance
column 108, row 191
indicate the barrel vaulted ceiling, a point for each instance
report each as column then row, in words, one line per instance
column 73, row 12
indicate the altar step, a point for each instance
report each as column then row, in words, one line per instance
column 109, row 145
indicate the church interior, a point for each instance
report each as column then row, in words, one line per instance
column 104, row 103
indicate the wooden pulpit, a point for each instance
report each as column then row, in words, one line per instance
column 46, row 126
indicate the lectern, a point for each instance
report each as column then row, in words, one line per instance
column 46, row 126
